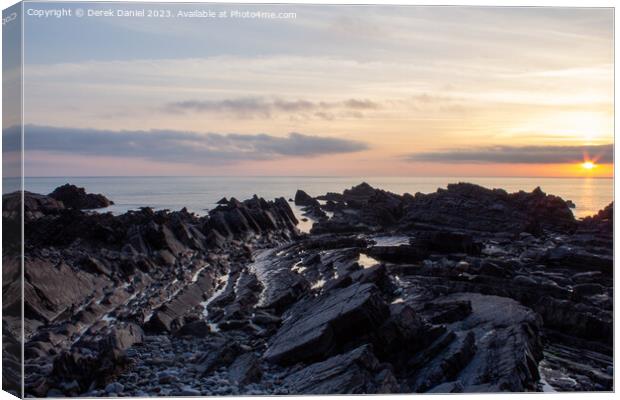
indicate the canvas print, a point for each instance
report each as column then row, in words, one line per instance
column 211, row 199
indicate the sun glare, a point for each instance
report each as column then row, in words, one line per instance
column 588, row 165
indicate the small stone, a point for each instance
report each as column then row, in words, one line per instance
column 70, row 386
column 114, row 387
column 168, row 376
column 186, row 392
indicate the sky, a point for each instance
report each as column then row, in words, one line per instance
column 336, row 91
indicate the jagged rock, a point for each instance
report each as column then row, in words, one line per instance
column 585, row 321
column 50, row 289
column 304, row 199
column 447, row 312
column 76, row 197
column 220, row 352
column 331, row 197
column 198, row 329
column 495, row 348
column 285, row 288
column 453, row 360
column 92, row 362
column 266, row 319
column 363, row 191
column 355, row 372
column 401, row 335
column 242, row 219
column 12, row 363
column 169, row 317
column 245, row 369
column 86, row 273
column 315, row 212
column 316, row 327
column 95, row 266
column 122, row 337
column 472, row 207
column 579, row 258
column 461, row 206
column 447, row 242
column 35, row 205
column 376, row 274
column 602, row 222
column 311, row 206
column 327, row 242
column 404, row 253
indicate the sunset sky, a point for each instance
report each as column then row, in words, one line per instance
column 340, row 90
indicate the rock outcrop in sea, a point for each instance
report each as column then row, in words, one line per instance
column 76, row 197
column 463, row 290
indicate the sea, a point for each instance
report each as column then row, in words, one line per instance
column 200, row 194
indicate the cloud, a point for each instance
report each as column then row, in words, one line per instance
column 180, row 147
column 518, row 155
column 251, row 107
column 361, row 104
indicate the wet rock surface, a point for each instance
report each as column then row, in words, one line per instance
column 463, row 290
column 314, row 328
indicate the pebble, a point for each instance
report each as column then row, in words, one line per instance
column 186, row 392
column 168, row 376
column 70, row 386
column 114, row 387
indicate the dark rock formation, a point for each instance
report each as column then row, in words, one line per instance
column 219, row 353
column 92, row 361
column 35, row 205
column 87, row 275
column 317, row 327
column 11, row 362
column 496, row 346
column 461, row 206
column 245, row 369
column 472, row 207
column 310, row 206
column 355, row 372
column 406, row 253
column 304, row 199
column 602, row 223
column 463, row 290
column 447, row 242
column 77, row 198
column 196, row 328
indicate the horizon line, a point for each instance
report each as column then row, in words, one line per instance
column 312, row 176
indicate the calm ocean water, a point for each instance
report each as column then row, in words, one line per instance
column 199, row 194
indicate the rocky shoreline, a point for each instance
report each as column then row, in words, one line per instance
column 463, row 290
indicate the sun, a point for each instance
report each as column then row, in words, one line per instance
column 588, row 165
